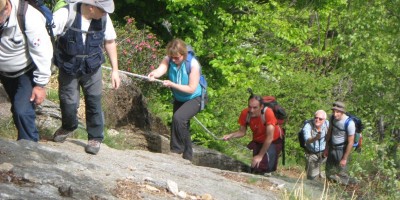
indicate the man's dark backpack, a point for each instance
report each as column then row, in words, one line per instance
column 203, row 82
column 300, row 134
column 40, row 6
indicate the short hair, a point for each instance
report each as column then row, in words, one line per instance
column 257, row 97
column 175, row 47
column 321, row 111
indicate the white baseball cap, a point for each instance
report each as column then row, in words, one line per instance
column 106, row 5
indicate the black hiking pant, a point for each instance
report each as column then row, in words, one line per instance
column 181, row 141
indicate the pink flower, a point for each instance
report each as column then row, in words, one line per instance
column 152, row 67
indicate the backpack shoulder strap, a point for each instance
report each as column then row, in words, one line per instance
column 22, row 7
column 308, row 121
column 188, row 61
column 104, row 22
column 71, row 17
column 264, row 120
column 346, row 124
column 247, row 119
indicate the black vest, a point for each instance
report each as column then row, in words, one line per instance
column 72, row 55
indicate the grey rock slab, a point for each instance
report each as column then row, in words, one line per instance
column 48, row 170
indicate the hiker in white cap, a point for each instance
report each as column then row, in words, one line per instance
column 84, row 28
column 25, row 57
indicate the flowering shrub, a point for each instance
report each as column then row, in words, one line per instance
column 139, row 51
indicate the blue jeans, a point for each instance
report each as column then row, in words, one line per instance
column 19, row 90
column 69, row 91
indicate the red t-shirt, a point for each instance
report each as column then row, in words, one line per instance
column 258, row 127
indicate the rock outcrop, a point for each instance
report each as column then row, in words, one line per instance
column 146, row 170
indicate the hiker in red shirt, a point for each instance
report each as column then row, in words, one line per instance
column 266, row 143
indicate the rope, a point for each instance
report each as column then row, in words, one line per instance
column 209, row 132
column 134, row 75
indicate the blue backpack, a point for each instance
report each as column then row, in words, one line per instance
column 359, row 128
column 40, row 6
column 203, row 82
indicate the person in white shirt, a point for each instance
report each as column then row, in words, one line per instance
column 79, row 56
column 25, row 69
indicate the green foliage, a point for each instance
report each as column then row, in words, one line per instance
column 8, row 129
column 376, row 170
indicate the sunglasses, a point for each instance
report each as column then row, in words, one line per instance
column 175, row 57
column 318, row 118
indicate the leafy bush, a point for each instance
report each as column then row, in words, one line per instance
column 138, row 49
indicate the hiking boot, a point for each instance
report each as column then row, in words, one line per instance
column 339, row 179
column 61, row 134
column 267, row 174
column 93, row 147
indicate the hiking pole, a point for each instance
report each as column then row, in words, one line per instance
column 134, row 75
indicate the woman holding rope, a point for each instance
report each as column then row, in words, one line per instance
column 186, row 91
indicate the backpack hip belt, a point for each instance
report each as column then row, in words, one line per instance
column 311, row 152
column 338, row 146
column 18, row 73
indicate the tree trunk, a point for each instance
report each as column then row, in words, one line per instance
column 381, row 129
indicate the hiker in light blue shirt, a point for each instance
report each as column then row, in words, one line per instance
column 314, row 134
